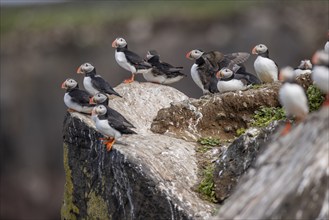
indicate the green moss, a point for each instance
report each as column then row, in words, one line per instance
column 315, row 98
column 68, row 210
column 240, row 131
column 96, row 207
column 207, row 143
column 207, row 186
column 265, row 115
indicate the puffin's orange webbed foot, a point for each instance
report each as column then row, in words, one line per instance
column 286, row 129
column 109, row 144
column 130, row 80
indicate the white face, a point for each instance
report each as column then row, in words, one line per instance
column 260, row 48
column 306, row 64
column 86, row 68
column 226, row 73
column 69, row 84
column 99, row 110
column 150, row 54
column 286, row 73
column 99, row 98
column 195, row 54
column 120, row 42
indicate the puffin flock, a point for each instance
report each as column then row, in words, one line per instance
column 212, row 72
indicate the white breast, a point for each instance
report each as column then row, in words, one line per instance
column 148, row 76
column 104, row 128
column 76, row 106
column 89, row 86
column 293, row 99
column 122, row 61
column 266, row 69
column 173, row 79
column 230, row 86
column 196, row 77
column 320, row 76
column 299, row 72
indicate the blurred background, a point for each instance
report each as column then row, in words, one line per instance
column 43, row 43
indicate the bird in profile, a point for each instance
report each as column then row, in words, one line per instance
column 266, row 69
column 76, row 99
column 112, row 128
column 161, row 72
column 95, row 83
column 129, row 60
column 102, row 99
column 320, row 73
column 228, row 81
column 292, row 98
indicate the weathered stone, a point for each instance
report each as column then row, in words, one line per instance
column 289, row 179
column 144, row 176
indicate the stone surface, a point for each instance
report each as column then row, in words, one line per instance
column 289, row 179
column 145, row 176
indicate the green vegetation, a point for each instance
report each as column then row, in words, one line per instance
column 315, row 98
column 207, row 185
column 207, row 143
column 265, row 115
column 41, row 17
column 240, row 131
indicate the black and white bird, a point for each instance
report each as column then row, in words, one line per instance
column 203, row 71
column 320, row 73
column 228, row 81
column 266, row 69
column 161, row 72
column 102, row 99
column 292, row 97
column 76, row 99
column 95, row 83
column 112, row 128
column 305, row 67
column 129, row 60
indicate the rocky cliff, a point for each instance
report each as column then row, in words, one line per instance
column 153, row 175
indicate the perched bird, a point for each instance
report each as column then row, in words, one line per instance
column 76, row 99
column 320, row 73
column 202, row 72
column 95, row 83
column 228, row 81
column 266, row 69
column 292, row 97
column 112, row 128
column 206, row 65
column 102, row 99
column 129, row 60
column 161, row 72
column 305, row 67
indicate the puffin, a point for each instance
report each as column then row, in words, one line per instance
column 95, row 83
column 228, row 81
column 76, row 99
column 305, row 67
column 326, row 46
column 203, row 71
column 320, row 73
column 129, row 60
column 112, row 128
column 161, row 72
column 266, row 69
column 292, row 98
column 103, row 99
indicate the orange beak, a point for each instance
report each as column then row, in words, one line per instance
column 93, row 112
column 280, row 76
column 91, row 100
column 188, row 55
column 114, row 43
column 79, row 70
column 254, row 51
column 315, row 59
column 64, row 85
column 218, row 75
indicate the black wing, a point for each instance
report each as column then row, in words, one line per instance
column 114, row 114
column 136, row 60
column 118, row 125
column 100, row 84
column 80, row 96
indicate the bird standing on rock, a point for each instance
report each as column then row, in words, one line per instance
column 102, row 99
column 112, row 128
column 95, row 83
column 266, row 69
column 76, row 99
column 228, row 81
column 320, row 73
column 292, row 97
column 161, row 72
column 129, row 60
